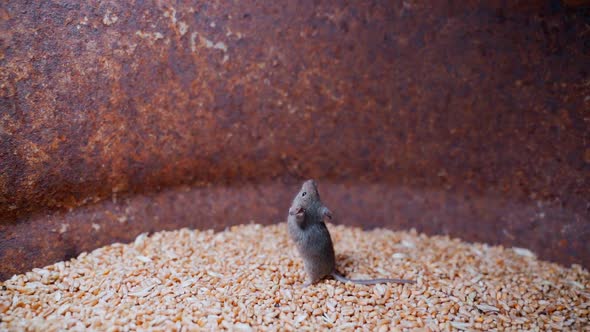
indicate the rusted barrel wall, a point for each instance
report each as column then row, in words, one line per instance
column 463, row 118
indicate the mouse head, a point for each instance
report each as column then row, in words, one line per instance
column 307, row 196
column 309, row 193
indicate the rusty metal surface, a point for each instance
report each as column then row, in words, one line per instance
column 472, row 100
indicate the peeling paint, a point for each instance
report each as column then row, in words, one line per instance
column 192, row 41
column 63, row 228
column 150, row 36
column 182, row 28
column 171, row 14
column 109, row 18
column 211, row 44
column 207, row 43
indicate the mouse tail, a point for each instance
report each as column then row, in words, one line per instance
column 338, row 276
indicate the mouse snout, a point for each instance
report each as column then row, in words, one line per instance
column 310, row 182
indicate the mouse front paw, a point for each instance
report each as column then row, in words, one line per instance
column 295, row 210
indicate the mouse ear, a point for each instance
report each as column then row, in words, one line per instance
column 326, row 213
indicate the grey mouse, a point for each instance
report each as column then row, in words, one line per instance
column 312, row 238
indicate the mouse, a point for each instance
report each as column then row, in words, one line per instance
column 307, row 229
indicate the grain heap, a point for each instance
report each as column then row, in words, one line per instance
column 249, row 277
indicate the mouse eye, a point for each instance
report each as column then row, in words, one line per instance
column 304, row 193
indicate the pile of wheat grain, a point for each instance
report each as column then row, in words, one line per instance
column 250, row 278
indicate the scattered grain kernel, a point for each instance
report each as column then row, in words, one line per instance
column 151, row 284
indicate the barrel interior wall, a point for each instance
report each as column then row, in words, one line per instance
column 119, row 118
